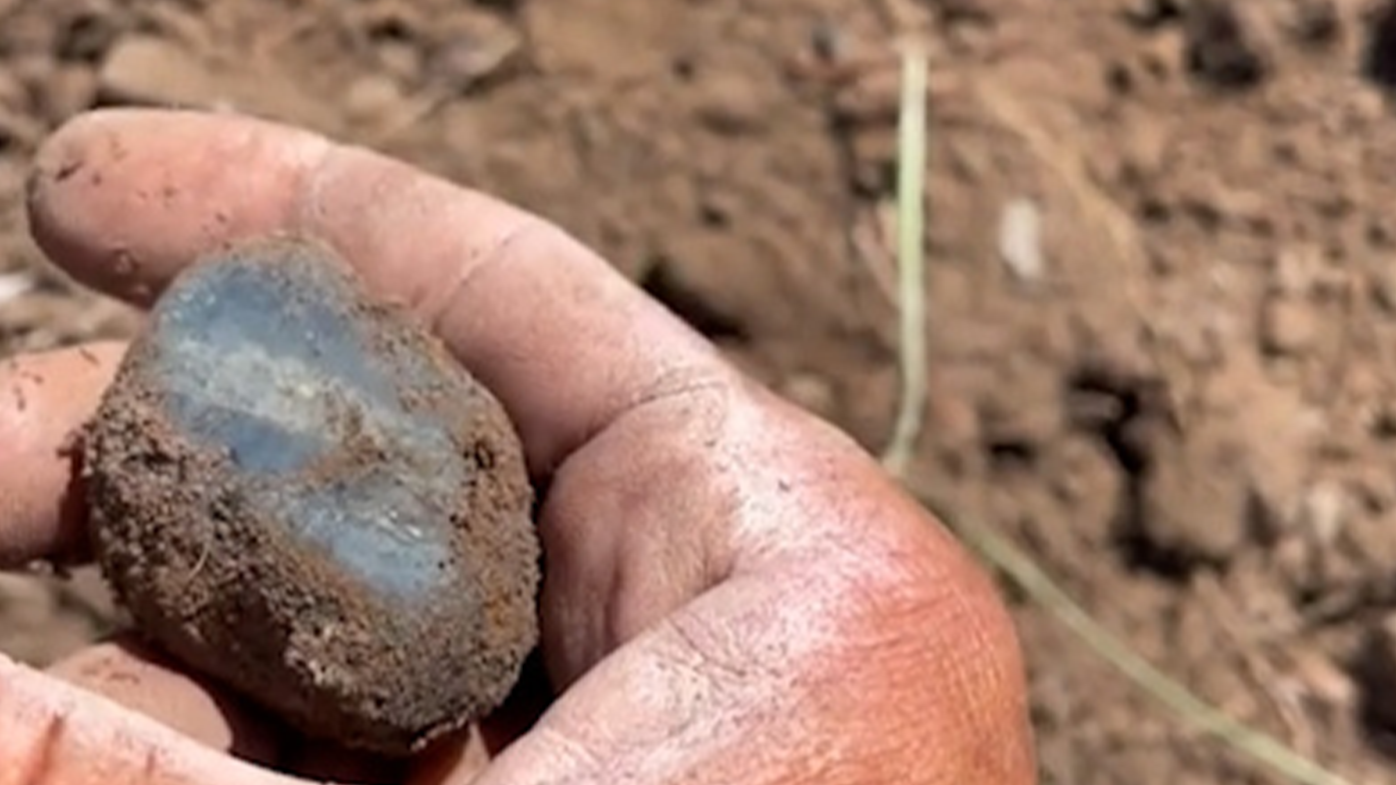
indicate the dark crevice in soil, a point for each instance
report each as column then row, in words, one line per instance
column 1154, row 14
column 1143, row 554
column 391, row 28
column 1122, row 410
column 678, row 296
column 954, row 13
column 1220, row 49
column 1375, row 673
column 1318, row 24
column 1379, row 59
column 1008, row 454
column 86, row 38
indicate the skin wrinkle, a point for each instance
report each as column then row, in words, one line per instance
column 151, row 765
column 303, row 209
column 633, row 498
column 726, row 650
column 649, row 732
column 685, row 381
column 729, row 686
column 472, row 266
column 438, row 299
column 402, row 189
column 694, row 383
column 729, row 712
column 689, row 703
column 691, row 382
column 575, row 751
column 42, row 764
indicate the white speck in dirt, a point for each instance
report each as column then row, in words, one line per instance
column 13, row 286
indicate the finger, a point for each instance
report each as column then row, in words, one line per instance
column 44, row 399
column 54, row 733
column 123, row 199
column 142, row 680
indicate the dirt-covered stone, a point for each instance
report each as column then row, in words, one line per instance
column 297, row 490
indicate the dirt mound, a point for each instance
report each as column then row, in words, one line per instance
column 1162, row 303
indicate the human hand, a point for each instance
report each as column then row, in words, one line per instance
column 734, row 592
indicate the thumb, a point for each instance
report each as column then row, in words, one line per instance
column 879, row 661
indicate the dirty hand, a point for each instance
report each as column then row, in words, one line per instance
column 734, row 591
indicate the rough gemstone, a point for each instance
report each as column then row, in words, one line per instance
column 297, row 490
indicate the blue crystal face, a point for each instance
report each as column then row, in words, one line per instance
column 273, row 365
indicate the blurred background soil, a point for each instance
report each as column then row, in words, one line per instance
column 1162, row 314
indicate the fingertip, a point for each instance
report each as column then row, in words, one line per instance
column 123, row 214
column 44, row 401
column 65, row 169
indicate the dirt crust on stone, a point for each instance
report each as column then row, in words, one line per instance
column 369, row 581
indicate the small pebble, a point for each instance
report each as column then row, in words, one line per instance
column 147, row 70
column 70, row 90
column 14, row 285
column 1288, row 327
column 1223, row 45
column 1020, row 239
column 372, row 98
